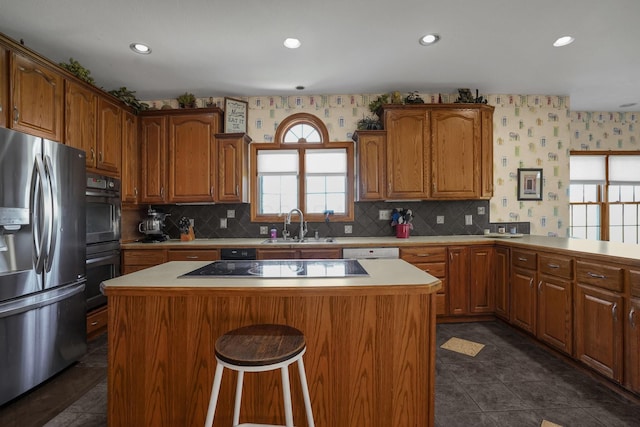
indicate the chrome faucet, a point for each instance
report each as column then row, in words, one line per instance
column 303, row 224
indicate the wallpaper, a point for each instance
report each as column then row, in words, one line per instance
column 530, row 131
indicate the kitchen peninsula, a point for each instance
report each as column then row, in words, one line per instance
column 370, row 356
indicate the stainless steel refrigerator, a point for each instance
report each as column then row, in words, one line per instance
column 42, row 260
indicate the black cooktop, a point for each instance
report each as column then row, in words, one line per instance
column 280, row 268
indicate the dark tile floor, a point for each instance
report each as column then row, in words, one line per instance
column 515, row 382
column 511, row 382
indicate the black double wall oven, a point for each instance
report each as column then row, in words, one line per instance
column 103, row 235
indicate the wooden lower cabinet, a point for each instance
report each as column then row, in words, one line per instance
column 96, row 322
column 139, row 259
column 523, row 299
column 458, row 280
column 433, row 260
column 555, row 313
column 599, row 330
column 481, row 289
column 311, row 253
column 632, row 356
column 501, row 282
column 193, row 255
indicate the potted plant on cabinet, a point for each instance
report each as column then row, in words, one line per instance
column 187, row 100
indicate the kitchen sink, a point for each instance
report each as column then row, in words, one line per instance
column 298, row 242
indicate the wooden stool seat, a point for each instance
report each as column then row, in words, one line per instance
column 260, row 345
column 260, row 348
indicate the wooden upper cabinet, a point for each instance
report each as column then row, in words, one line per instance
column 36, row 101
column 233, row 167
column 408, row 162
column 130, row 158
column 455, row 154
column 192, row 158
column 486, row 167
column 371, row 148
column 109, row 137
column 153, row 159
column 80, row 120
column 4, row 87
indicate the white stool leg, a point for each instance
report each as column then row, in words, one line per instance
column 215, row 390
column 305, row 393
column 236, row 408
column 286, row 392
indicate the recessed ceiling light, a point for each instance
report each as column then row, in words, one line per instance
column 429, row 39
column 630, row 104
column 300, row 87
column 292, row 43
column 140, row 48
column 563, row 41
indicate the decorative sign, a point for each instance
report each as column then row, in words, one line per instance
column 235, row 116
column 529, row 184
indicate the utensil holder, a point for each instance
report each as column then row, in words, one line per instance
column 402, row 231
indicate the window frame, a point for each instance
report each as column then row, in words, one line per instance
column 301, row 147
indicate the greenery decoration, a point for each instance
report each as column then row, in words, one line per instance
column 369, row 123
column 75, row 68
column 128, row 97
column 187, row 100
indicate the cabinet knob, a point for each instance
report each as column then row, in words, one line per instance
column 16, row 114
column 596, row 275
column 100, row 157
column 614, row 312
column 553, row 265
column 531, row 282
column 540, row 286
column 632, row 317
column 162, row 192
column 94, row 323
column 237, row 189
column 93, row 153
column 523, row 259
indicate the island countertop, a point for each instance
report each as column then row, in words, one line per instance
column 370, row 357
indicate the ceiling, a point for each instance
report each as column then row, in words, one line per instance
column 234, row 47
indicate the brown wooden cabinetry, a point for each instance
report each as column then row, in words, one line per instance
column 481, row 289
column 555, row 301
column 97, row 322
column 153, row 159
column 80, row 119
column 501, row 280
column 139, row 259
column 108, row 137
column 632, row 338
column 4, row 87
column 371, row 167
column 193, row 255
column 433, row 260
column 36, row 98
column 599, row 331
column 130, row 158
column 523, row 289
column 233, row 167
column 291, row 253
column 458, row 280
column 408, row 163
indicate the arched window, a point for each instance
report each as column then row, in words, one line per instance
column 302, row 169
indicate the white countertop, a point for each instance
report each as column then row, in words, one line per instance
column 382, row 272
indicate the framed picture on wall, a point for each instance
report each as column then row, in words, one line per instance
column 235, row 115
column 529, row 184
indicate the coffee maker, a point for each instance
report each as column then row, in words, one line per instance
column 153, row 227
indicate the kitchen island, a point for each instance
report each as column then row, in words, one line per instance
column 370, row 357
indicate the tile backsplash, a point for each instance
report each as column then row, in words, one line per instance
column 367, row 223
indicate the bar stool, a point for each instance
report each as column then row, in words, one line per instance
column 260, row 348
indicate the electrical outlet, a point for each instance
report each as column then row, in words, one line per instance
column 348, row 229
column 468, row 220
column 192, row 222
column 384, row 214
column 231, row 213
column 440, row 219
column 264, row 229
column 480, row 210
column 223, row 222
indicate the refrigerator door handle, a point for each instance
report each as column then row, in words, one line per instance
column 42, row 299
column 38, row 203
column 52, row 214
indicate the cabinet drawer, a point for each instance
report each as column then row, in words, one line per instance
column 423, row 254
column 193, row 255
column 556, row 266
column 602, row 276
column 144, row 257
column 96, row 322
column 436, row 269
column 634, row 282
column 524, row 259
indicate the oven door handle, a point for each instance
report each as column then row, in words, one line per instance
column 98, row 193
column 102, row 257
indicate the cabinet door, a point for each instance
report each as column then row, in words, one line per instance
column 599, row 330
column 555, row 313
column 481, row 291
column 36, row 98
column 276, row 254
column 4, row 87
column 632, row 370
column 109, row 140
column 408, row 166
column 193, row 255
column 501, row 280
column 153, row 157
column 320, row 253
column 139, row 259
column 523, row 299
column 192, row 158
column 487, row 154
column 130, row 158
column 455, row 154
column 372, row 181
column 232, row 163
column 458, row 280
column 80, row 120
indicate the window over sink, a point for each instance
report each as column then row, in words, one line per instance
column 302, row 169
